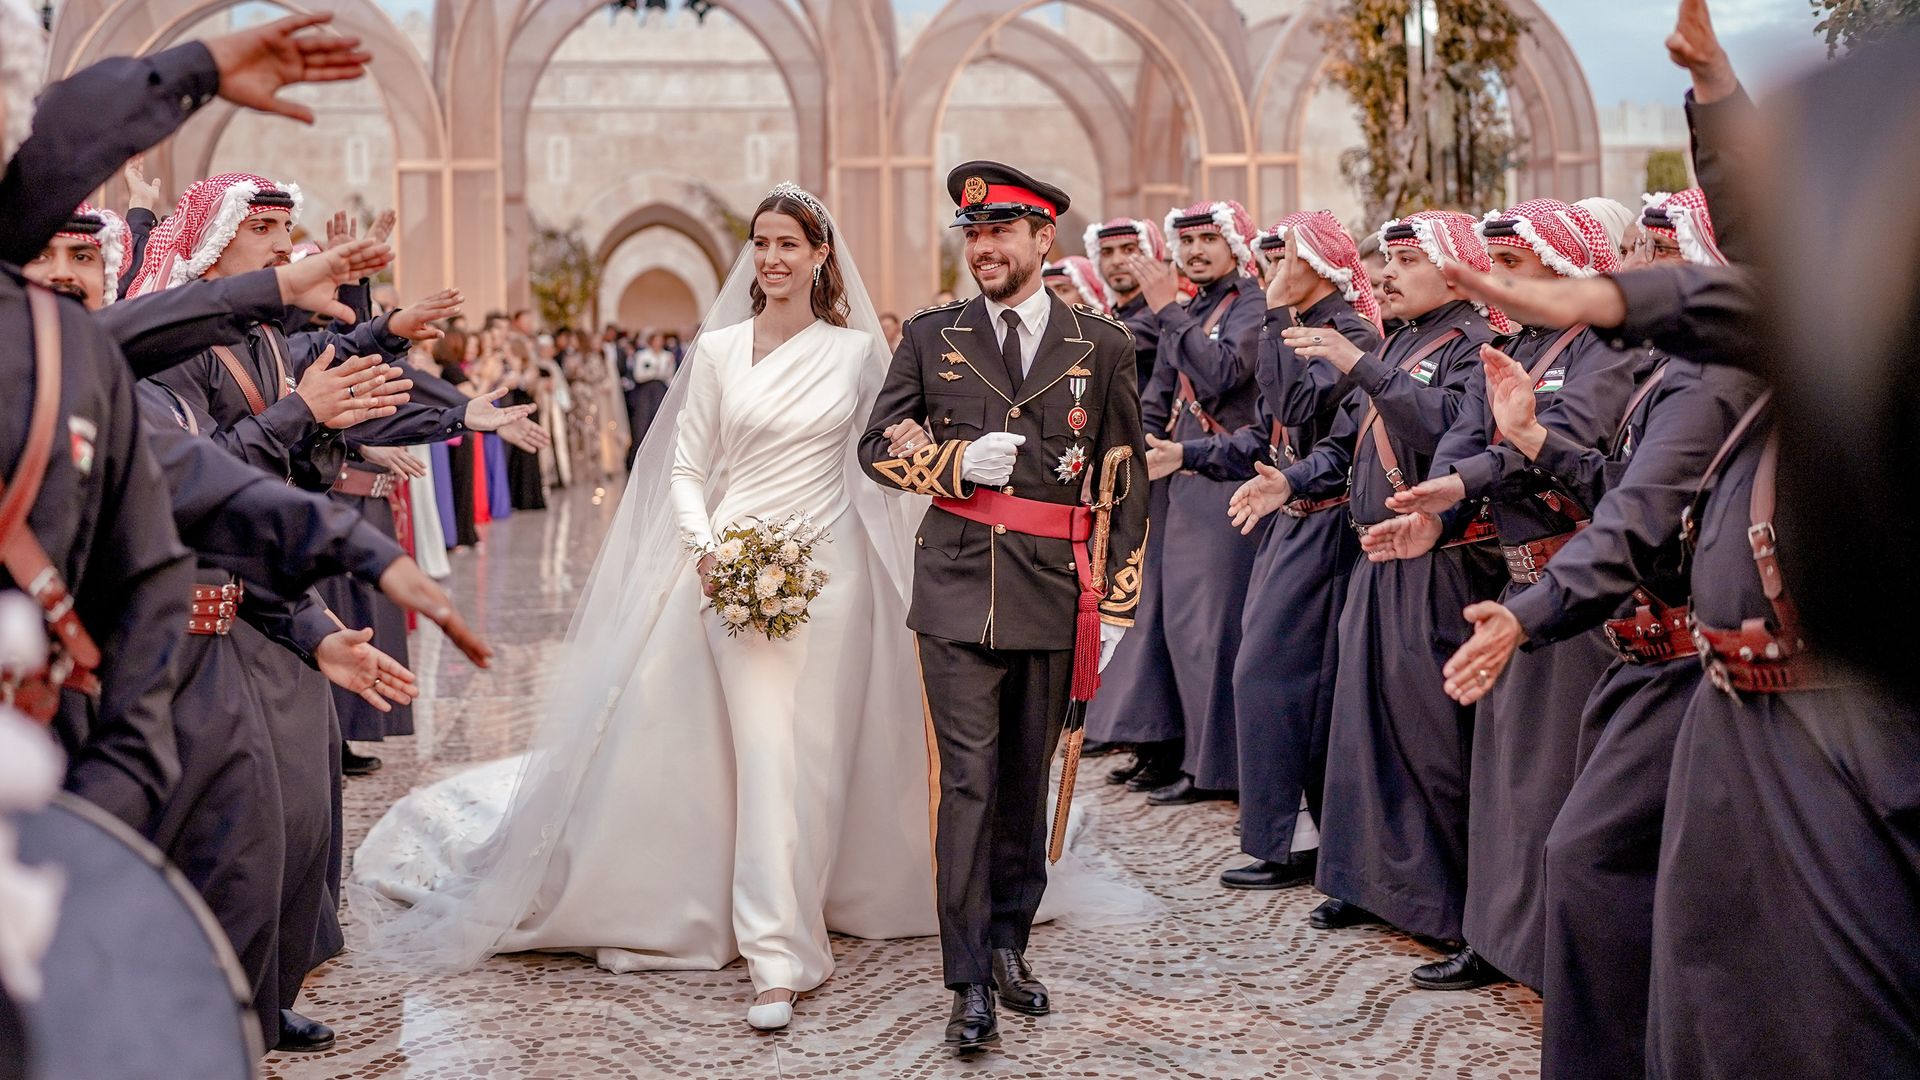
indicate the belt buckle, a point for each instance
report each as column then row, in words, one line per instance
column 1761, row 538
column 1397, row 478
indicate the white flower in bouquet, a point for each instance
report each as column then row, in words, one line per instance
column 789, row 553
column 770, row 606
column 771, row 580
column 820, row 579
column 794, row 605
column 735, row 614
column 729, row 551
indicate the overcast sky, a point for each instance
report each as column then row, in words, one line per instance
column 1621, row 43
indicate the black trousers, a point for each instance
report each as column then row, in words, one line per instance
column 996, row 717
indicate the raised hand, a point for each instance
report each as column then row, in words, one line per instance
column 415, row 321
column 1478, row 664
column 1322, row 343
column 142, row 193
column 311, row 282
column 1429, row 496
column 1559, row 302
column 407, row 585
column 382, row 229
column 348, row 661
column 342, row 395
column 1159, row 286
column 341, row 229
column 484, row 415
column 1164, row 457
column 1693, row 45
column 1510, row 393
column 256, row 64
column 1258, row 497
column 1406, row 537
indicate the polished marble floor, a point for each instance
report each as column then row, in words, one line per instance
column 1223, row 984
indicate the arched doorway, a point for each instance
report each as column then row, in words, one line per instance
column 659, row 300
column 634, row 290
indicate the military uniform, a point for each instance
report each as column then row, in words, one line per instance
column 995, row 608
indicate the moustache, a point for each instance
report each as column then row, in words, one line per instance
column 69, row 289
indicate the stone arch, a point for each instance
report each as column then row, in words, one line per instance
column 1188, row 41
column 1554, row 118
column 669, row 216
column 89, row 30
column 1096, row 103
column 538, row 34
column 657, row 247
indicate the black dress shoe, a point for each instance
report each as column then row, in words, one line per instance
column 1182, row 791
column 1019, row 990
column 1154, row 775
column 299, row 1035
column 1100, row 749
column 1127, row 769
column 1338, row 914
column 353, row 764
column 972, row 1024
column 1464, row 970
column 1264, row 874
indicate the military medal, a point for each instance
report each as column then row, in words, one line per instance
column 1077, row 416
column 1072, row 464
column 954, row 358
column 950, row 376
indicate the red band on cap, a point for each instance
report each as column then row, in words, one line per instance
column 1012, row 193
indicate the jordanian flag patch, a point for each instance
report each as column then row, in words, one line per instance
column 1551, row 382
column 1423, row 372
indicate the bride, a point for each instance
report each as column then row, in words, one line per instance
column 694, row 796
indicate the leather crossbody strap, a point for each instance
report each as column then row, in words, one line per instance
column 1186, row 398
column 256, row 401
column 1382, row 446
column 1640, row 395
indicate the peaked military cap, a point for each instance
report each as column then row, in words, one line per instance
column 988, row 192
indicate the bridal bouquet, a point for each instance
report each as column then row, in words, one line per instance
column 763, row 578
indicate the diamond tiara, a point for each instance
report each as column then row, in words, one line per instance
column 792, row 190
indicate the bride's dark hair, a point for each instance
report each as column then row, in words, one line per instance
column 829, row 291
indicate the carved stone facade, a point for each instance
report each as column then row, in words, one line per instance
column 657, row 136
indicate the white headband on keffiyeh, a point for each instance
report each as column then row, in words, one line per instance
column 1230, row 220
column 192, row 238
column 1150, row 244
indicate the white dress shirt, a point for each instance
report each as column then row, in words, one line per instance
column 1033, row 312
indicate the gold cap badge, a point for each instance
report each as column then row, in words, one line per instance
column 975, row 191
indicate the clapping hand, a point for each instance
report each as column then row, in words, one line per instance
column 348, row 661
column 1322, row 343
column 1158, row 284
column 1164, row 457
column 415, row 322
column 342, row 395
column 484, row 415
column 1406, row 537
column 1258, row 497
column 311, row 282
column 394, row 459
column 1510, row 393
column 1429, row 496
column 1477, row 665
column 525, row 434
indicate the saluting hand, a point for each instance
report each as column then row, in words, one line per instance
column 1258, row 497
column 1429, row 496
column 404, row 583
column 348, row 661
column 1164, row 457
column 1158, row 284
column 342, row 395
column 1406, row 537
column 311, row 282
column 1510, row 393
column 415, row 321
column 1478, row 664
column 256, row 64
column 1322, row 343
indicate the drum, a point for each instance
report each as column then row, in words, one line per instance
column 140, row 980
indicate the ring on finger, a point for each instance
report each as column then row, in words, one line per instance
column 1485, row 676
column 1316, row 339
column 353, row 391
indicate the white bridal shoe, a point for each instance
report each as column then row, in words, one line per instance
column 772, row 1016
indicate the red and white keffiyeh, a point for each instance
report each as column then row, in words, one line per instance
column 1086, row 280
column 192, row 238
column 1569, row 239
column 1152, row 244
column 1448, row 236
column 1226, row 217
column 1319, row 238
column 111, row 239
column 1691, row 225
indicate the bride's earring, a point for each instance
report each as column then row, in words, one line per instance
column 816, row 273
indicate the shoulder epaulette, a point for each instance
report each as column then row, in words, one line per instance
column 936, row 307
column 1105, row 318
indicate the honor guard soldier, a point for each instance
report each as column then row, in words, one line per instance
column 1008, row 409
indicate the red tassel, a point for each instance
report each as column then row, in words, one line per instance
column 1086, row 647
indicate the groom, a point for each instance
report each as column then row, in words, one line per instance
column 1002, row 407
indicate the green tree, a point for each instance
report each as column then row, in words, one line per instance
column 1429, row 79
column 563, row 275
column 1852, row 23
column 1667, row 171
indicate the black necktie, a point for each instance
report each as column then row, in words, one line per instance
column 1010, row 348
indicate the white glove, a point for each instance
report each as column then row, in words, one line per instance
column 1110, row 636
column 988, row 460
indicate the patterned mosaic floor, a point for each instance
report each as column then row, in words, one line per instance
column 1224, row 984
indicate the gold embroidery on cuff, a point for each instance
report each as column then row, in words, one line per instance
column 926, row 470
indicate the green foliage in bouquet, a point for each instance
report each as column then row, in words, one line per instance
column 763, row 577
